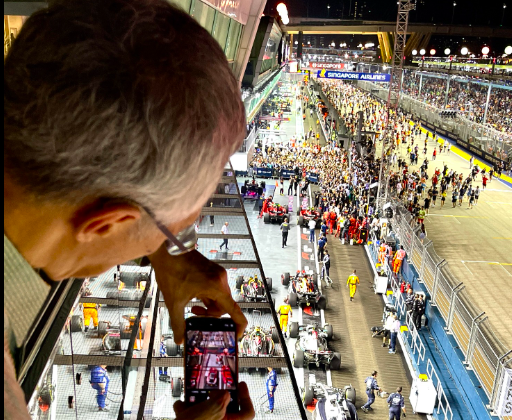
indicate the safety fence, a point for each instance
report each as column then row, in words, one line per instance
column 410, row 336
column 482, row 350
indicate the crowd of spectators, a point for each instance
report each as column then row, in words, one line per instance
column 469, row 97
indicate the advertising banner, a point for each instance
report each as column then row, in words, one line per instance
column 264, row 172
column 505, row 401
column 349, row 75
column 329, row 66
column 287, row 173
column 312, row 177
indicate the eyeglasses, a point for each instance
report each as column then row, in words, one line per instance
column 185, row 241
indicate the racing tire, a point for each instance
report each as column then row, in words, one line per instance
column 266, row 218
column 309, row 396
column 322, row 302
column 269, row 283
column 294, row 329
column 77, row 323
column 275, row 336
column 102, row 328
column 335, row 362
column 177, row 387
column 300, row 221
column 293, row 300
column 350, row 394
column 239, row 282
column 298, row 359
column 285, row 280
column 352, row 411
column 330, row 332
column 172, row 348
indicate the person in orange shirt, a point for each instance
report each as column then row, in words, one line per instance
column 398, row 258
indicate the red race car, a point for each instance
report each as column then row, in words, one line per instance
column 305, row 215
column 194, row 376
column 227, row 377
column 276, row 213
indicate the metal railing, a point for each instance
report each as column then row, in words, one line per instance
column 442, row 402
column 481, row 348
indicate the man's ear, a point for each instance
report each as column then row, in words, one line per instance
column 100, row 220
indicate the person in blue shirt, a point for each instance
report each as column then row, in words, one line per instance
column 396, row 404
column 163, row 353
column 371, row 386
column 271, row 388
column 321, row 247
column 99, row 381
column 323, row 228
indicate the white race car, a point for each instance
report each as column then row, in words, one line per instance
column 332, row 403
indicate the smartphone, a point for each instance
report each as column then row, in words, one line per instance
column 211, row 359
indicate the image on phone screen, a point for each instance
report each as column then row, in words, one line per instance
column 211, row 359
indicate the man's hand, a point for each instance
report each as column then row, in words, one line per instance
column 191, row 275
column 215, row 407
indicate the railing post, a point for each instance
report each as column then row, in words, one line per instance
column 422, row 269
column 472, row 339
column 455, row 292
column 436, row 281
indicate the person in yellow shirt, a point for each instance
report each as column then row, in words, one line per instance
column 352, row 283
column 90, row 311
column 284, row 311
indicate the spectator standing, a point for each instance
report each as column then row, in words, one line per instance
column 225, row 231
column 326, row 263
column 285, row 228
column 312, row 227
column 395, row 329
column 321, row 246
column 352, row 283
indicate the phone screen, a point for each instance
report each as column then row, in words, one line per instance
column 211, row 359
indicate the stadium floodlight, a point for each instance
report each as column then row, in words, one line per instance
column 508, row 50
column 422, row 51
column 432, row 52
column 464, row 50
column 447, row 51
column 296, row 42
column 281, row 8
column 333, row 44
column 485, row 50
column 414, row 52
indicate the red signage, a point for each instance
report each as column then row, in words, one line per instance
column 334, row 66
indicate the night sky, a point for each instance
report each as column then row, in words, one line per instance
column 488, row 13
column 467, row 12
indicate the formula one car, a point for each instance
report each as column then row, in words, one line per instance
column 305, row 215
column 227, row 377
column 252, row 289
column 303, row 288
column 212, row 377
column 276, row 213
column 193, row 378
column 311, row 346
column 332, row 403
column 252, row 191
column 259, row 342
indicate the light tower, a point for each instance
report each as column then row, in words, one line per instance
column 395, row 82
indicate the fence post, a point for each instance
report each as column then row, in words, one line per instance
column 472, row 339
column 422, row 269
column 436, row 281
column 455, row 292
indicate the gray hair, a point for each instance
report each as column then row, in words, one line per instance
column 127, row 99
